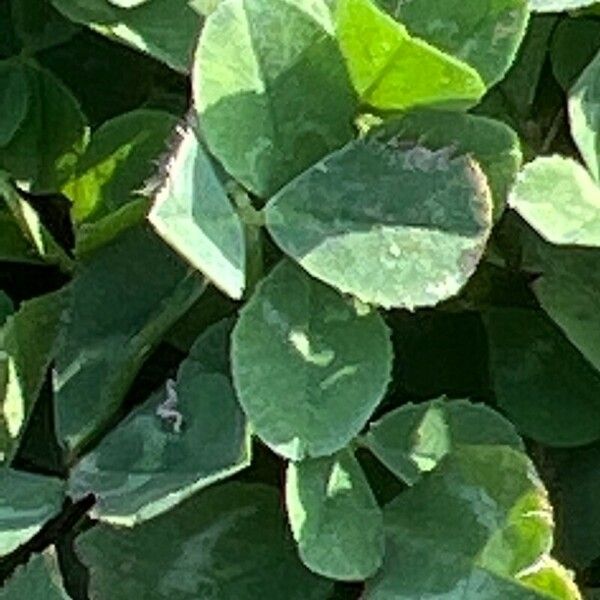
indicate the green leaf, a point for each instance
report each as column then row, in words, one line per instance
column 334, row 517
column 229, row 542
column 413, row 439
column 123, row 299
column 271, row 89
column 39, row 579
column 494, row 145
column 193, row 214
column 324, row 369
column 27, row 345
column 584, row 112
column 567, row 291
column 6, row 307
column 44, row 149
column 559, row 5
column 26, row 504
column 39, row 25
column 390, row 69
column 164, row 29
column 177, row 443
column 14, row 100
column 394, row 228
column 483, row 519
column 118, row 161
column 550, row 392
column 560, row 200
column 485, row 34
column 574, row 44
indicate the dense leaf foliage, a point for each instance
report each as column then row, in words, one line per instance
column 299, row 299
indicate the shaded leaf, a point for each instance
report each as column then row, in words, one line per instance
column 325, row 365
column 124, row 298
column 271, row 89
column 44, row 149
column 231, row 543
column 14, row 99
column 177, row 443
column 483, row 518
column 485, row 34
column 27, row 502
column 394, row 228
column 584, row 112
column 194, row 215
column 550, row 392
column 165, row 29
column 27, row 345
column 413, row 439
column 493, row 144
column 559, row 199
column 119, row 159
column 334, row 517
column 390, row 69
column 39, row 579
column 6, row 307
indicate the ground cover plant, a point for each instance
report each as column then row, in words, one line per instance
column 299, row 299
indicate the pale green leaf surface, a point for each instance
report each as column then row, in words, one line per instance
column 230, row 542
column 413, row 439
column 324, row 369
column 194, row 215
column 271, row 89
column 124, row 297
column 559, row 5
column 494, row 145
column 547, row 388
column 560, row 200
column 44, row 149
column 485, row 34
column 27, row 502
column 119, row 159
column 14, row 100
column 392, row 70
column 181, row 440
column 334, row 517
column 397, row 228
column 164, row 29
column 483, row 519
column 39, row 579
column 584, row 113
column 27, row 345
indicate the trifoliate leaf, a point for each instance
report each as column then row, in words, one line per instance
column 494, row 145
column 547, row 388
column 27, row 346
column 397, row 228
column 392, row 70
column 560, row 200
column 123, row 298
column 584, row 112
column 14, row 99
column 325, row 364
column 44, row 156
column 27, row 502
column 119, row 159
column 39, row 579
column 185, row 437
column 483, row 519
column 230, row 542
column 334, row 516
column 164, row 29
column 271, row 89
column 485, row 34
column 193, row 214
column 413, row 439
